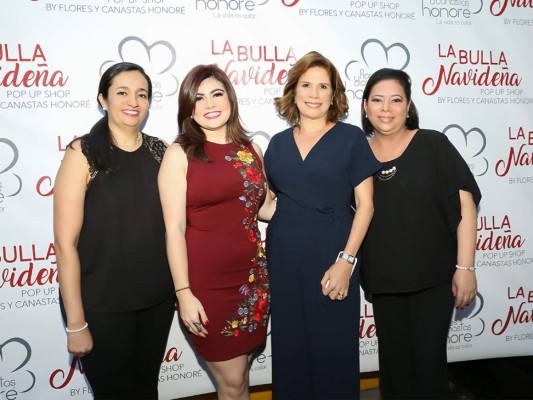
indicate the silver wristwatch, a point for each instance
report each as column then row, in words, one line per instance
column 347, row 257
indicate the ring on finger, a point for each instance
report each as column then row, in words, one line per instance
column 198, row 326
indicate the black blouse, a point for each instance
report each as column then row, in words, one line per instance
column 411, row 243
column 122, row 241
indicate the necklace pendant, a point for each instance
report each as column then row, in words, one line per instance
column 387, row 174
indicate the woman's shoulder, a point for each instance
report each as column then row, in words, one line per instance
column 432, row 137
column 349, row 131
column 255, row 147
column 78, row 143
column 431, row 134
column 81, row 144
column 156, row 146
column 154, row 141
column 347, row 126
column 175, row 151
column 284, row 133
column 281, row 137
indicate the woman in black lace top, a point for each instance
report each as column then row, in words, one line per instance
column 115, row 284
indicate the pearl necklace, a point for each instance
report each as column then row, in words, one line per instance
column 137, row 139
column 387, row 174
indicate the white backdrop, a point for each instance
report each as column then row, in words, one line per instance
column 470, row 61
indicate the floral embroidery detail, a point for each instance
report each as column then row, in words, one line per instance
column 245, row 156
column 253, row 311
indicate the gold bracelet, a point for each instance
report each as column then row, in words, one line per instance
column 183, row 288
column 471, row 269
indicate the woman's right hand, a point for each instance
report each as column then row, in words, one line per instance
column 80, row 343
column 192, row 314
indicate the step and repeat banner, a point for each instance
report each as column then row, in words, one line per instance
column 471, row 64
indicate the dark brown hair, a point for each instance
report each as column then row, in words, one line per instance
column 96, row 145
column 404, row 80
column 191, row 137
column 285, row 105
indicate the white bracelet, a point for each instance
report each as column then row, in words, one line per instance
column 77, row 330
column 350, row 259
column 472, row 269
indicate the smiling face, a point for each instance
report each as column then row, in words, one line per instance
column 127, row 101
column 387, row 107
column 313, row 94
column 213, row 108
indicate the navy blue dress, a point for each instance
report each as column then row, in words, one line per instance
column 314, row 339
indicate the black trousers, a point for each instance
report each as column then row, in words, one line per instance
column 128, row 350
column 412, row 330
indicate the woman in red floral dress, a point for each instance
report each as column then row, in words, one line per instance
column 213, row 189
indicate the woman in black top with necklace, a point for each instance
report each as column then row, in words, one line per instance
column 418, row 255
column 115, row 283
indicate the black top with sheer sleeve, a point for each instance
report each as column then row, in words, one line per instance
column 412, row 240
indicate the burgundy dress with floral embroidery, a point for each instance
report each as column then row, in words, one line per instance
column 227, row 265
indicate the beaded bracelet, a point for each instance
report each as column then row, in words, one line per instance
column 183, row 288
column 472, row 269
column 77, row 330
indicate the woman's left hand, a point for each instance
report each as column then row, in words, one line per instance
column 464, row 288
column 338, row 276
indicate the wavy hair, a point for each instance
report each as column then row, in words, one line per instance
column 285, row 105
column 191, row 137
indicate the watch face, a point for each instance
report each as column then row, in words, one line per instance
column 348, row 258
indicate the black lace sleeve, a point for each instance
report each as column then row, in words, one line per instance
column 155, row 145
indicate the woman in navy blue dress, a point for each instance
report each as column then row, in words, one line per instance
column 319, row 168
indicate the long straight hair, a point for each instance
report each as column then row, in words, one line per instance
column 96, row 145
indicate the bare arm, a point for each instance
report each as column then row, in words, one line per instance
column 464, row 285
column 172, row 182
column 269, row 205
column 338, row 274
column 69, row 198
